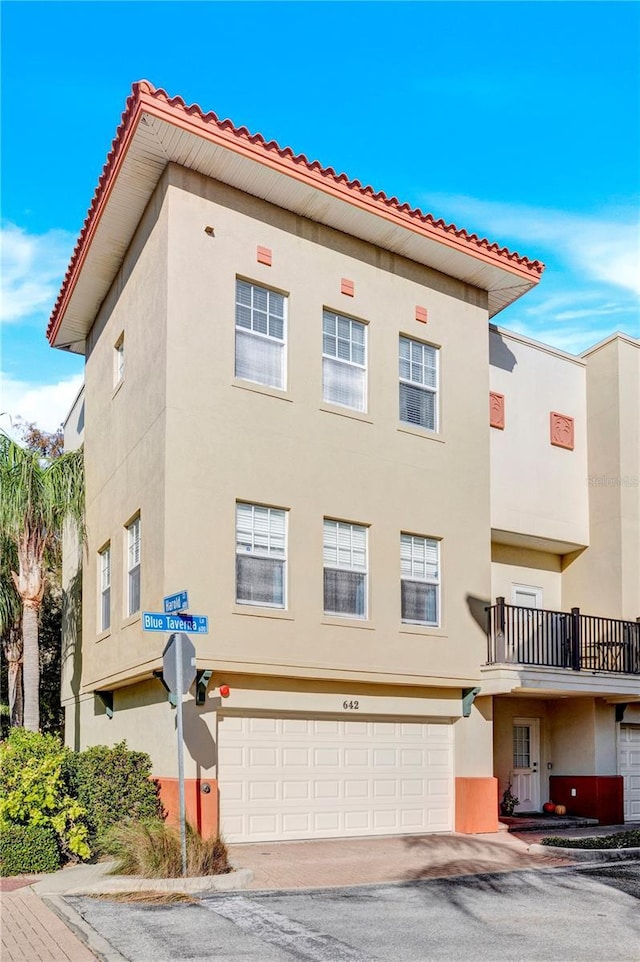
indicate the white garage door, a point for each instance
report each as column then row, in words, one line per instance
column 630, row 770
column 289, row 778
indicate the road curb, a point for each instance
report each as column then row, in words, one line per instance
column 587, row 854
column 85, row 932
column 113, row 884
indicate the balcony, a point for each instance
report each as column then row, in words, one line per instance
column 561, row 640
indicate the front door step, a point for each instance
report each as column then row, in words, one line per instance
column 536, row 822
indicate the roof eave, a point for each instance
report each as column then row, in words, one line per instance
column 512, row 274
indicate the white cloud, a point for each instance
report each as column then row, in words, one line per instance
column 45, row 404
column 33, row 266
column 600, row 248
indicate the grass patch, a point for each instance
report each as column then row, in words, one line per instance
column 148, row 898
column 151, row 849
column 630, row 839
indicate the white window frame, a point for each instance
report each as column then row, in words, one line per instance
column 118, row 361
column 133, row 565
column 414, row 570
column 338, row 537
column 333, row 362
column 420, row 383
column 104, row 584
column 251, row 334
column 272, row 550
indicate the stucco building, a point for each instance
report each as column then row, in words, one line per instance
column 295, row 408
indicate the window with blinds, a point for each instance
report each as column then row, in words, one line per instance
column 133, row 567
column 261, row 554
column 104, row 565
column 418, row 384
column 344, row 361
column 260, row 335
column 345, row 569
column 420, row 579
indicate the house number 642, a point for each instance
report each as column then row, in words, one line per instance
column 351, row 705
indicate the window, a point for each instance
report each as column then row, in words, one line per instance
column 344, row 360
column 260, row 335
column 418, row 384
column 419, row 579
column 260, row 555
column 345, row 569
column 118, row 361
column 133, row 567
column 104, row 564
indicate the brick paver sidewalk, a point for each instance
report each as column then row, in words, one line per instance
column 31, row 931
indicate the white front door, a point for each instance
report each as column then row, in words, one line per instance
column 629, row 768
column 525, row 773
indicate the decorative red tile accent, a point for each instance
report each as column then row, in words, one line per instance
column 562, row 433
column 421, row 314
column 347, row 287
column 496, row 410
column 264, row 256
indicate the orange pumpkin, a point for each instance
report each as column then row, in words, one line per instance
column 561, row 809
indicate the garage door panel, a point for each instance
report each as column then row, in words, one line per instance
column 350, row 780
column 629, row 768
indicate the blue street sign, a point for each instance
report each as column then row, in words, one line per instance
column 191, row 624
column 175, row 603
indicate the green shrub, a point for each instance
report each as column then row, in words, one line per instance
column 28, row 848
column 33, row 790
column 630, row 839
column 113, row 784
column 151, row 849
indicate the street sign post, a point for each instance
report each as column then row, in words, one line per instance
column 159, row 621
column 179, row 672
column 176, row 603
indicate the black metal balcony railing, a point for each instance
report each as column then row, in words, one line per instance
column 561, row 639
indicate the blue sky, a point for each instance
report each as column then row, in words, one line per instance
column 519, row 121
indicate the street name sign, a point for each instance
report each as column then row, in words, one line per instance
column 158, row 621
column 176, row 603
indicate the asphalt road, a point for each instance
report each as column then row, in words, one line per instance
column 558, row 915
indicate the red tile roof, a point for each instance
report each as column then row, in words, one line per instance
column 176, row 106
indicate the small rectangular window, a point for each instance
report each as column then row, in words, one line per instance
column 418, row 384
column 261, row 555
column 118, row 361
column 104, row 565
column 345, row 569
column 344, row 361
column 420, row 579
column 133, row 567
column 260, row 335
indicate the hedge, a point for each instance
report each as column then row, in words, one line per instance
column 113, row 784
column 28, row 848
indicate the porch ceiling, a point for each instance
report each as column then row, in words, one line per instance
column 558, row 683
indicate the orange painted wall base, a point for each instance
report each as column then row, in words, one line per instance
column 202, row 807
column 476, row 805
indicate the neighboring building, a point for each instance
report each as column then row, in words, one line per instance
column 286, row 414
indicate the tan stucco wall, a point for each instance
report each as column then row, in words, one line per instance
column 522, row 566
column 124, row 446
column 537, row 490
column 227, row 440
column 605, row 579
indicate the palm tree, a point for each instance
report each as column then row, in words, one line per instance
column 37, row 496
column 10, row 610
